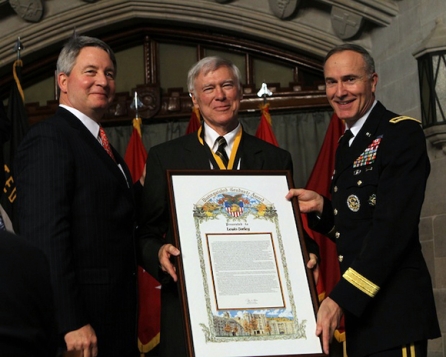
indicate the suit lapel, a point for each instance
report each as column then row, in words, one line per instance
column 250, row 154
column 97, row 149
column 195, row 155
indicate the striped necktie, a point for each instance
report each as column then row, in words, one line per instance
column 221, row 152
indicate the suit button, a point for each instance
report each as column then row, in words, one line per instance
column 340, row 258
column 337, row 235
column 335, row 189
column 335, row 211
column 359, row 183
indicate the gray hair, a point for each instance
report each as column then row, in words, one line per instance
column 209, row 64
column 368, row 59
column 70, row 51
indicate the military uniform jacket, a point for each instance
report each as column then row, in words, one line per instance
column 377, row 194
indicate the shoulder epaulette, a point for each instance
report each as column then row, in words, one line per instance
column 401, row 118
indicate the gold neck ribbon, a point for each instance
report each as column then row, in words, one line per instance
column 220, row 164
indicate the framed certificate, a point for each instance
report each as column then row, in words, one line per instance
column 245, row 289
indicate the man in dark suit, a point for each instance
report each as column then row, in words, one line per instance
column 27, row 316
column 75, row 201
column 215, row 88
column 385, row 292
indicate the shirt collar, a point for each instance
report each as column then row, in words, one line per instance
column 89, row 123
column 356, row 127
column 210, row 135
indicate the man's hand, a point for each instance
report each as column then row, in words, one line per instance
column 164, row 254
column 314, row 266
column 143, row 176
column 83, row 339
column 309, row 201
column 328, row 318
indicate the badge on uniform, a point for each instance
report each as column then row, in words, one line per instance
column 372, row 200
column 369, row 154
column 353, row 203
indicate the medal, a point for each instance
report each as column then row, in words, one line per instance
column 353, row 203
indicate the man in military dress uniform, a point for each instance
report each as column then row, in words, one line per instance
column 385, row 291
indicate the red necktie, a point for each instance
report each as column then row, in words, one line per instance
column 105, row 143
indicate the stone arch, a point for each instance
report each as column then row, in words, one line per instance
column 93, row 17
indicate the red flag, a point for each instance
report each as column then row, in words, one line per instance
column 320, row 181
column 149, row 289
column 194, row 121
column 265, row 129
column 136, row 154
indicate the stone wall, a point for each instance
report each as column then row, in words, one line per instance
column 398, row 89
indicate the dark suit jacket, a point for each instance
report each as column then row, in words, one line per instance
column 27, row 316
column 185, row 153
column 373, row 218
column 76, row 205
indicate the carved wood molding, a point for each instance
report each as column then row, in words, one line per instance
column 177, row 105
column 305, row 90
column 149, row 37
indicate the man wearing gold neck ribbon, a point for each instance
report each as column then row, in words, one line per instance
column 215, row 88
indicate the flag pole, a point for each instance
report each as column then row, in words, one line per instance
column 18, row 63
column 18, row 47
column 135, row 103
